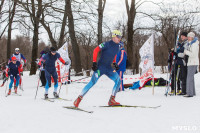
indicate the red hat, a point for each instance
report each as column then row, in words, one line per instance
column 14, row 58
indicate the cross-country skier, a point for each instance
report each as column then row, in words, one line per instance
column 121, row 62
column 109, row 51
column 20, row 57
column 50, row 70
column 13, row 69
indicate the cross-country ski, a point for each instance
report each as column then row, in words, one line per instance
column 78, row 109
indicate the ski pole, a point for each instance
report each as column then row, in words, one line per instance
column 21, row 87
column 6, row 87
column 37, row 87
column 80, row 79
column 74, row 74
column 60, row 87
column 61, row 81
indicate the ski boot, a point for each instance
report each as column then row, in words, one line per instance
column 46, row 96
column 179, row 92
column 112, row 101
column 77, row 101
column 15, row 90
column 55, row 94
column 171, row 93
column 9, row 92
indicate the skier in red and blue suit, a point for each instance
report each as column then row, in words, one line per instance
column 20, row 57
column 13, row 69
column 121, row 62
column 109, row 51
column 50, row 70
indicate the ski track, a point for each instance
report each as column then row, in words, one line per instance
column 24, row 114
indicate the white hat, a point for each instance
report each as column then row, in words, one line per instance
column 16, row 49
column 191, row 34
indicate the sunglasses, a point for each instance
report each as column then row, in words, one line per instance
column 16, row 50
column 53, row 51
column 118, row 36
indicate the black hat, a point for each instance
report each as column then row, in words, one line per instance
column 53, row 49
column 184, row 34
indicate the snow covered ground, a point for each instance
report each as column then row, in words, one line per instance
column 23, row 114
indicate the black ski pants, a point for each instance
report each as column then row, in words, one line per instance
column 183, row 76
column 172, row 79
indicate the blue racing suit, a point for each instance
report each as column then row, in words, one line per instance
column 108, row 52
column 121, row 62
column 50, row 70
column 13, row 70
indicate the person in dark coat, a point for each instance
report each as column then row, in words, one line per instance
column 182, row 61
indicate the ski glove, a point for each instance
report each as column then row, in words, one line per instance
column 6, row 78
column 66, row 63
column 94, row 67
column 24, row 65
column 116, row 66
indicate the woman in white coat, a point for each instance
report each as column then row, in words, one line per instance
column 193, row 61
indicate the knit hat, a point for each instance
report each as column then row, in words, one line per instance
column 116, row 33
column 13, row 58
column 53, row 49
column 16, row 49
column 191, row 34
column 184, row 34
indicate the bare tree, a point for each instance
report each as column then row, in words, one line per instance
column 36, row 18
column 47, row 12
column 101, row 7
column 167, row 20
column 87, row 43
column 75, row 46
column 3, row 13
column 1, row 6
column 34, row 10
column 131, row 12
column 10, row 22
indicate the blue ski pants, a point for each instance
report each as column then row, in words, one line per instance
column 121, row 74
column 12, row 80
column 48, row 80
column 97, row 74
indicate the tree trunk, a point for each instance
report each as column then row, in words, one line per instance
column 75, row 46
column 100, row 20
column 62, row 32
column 131, row 17
column 49, row 32
column 11, row 16
column 1, row 6
column 36, row 19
